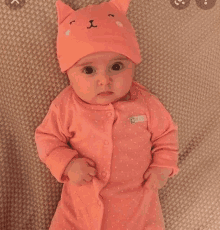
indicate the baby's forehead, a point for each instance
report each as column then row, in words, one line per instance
column 108, row 56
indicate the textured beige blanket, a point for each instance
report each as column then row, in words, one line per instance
column 180, row 45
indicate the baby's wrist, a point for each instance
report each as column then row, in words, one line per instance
column 166, row 171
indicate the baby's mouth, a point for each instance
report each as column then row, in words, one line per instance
column 107, row 93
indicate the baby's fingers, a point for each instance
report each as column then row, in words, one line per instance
column 87, row 178
column 92, row 171
column 81, row 183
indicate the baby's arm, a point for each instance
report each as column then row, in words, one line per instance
column 51, row 140
column 164, row 137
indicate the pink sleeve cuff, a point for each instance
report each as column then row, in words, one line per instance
column 57, row 162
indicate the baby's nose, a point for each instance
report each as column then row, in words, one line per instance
column 104, row 79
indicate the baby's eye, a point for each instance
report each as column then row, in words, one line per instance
column 116, row 66
column 89, row 69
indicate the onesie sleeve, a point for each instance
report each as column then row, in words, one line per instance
column 51, row 141
column 164, row 136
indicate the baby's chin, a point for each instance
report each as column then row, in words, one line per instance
column 106, row 99
column 102, row 101
column 98, row 101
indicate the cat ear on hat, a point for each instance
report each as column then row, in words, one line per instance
column 63, row 11
column 122, row 5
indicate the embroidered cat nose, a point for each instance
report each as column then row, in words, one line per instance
column 91, row 21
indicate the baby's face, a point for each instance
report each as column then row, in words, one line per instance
column 101, row 72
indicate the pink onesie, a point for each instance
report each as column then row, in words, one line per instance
column 123, row 138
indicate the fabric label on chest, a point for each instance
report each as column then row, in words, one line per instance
column 136, row 119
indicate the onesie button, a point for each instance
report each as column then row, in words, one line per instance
column 104, row 174
column 106, row 142
column 99, row 203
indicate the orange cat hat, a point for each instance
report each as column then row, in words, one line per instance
column 92, row 29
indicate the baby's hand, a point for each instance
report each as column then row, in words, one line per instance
column 80, row 172
column 158, row 176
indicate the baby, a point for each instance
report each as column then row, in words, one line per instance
column 105, row 137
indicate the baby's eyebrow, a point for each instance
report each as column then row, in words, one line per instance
column 87, row 63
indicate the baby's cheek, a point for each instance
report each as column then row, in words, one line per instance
column 119, row 85
column 84, row 86
column 123, row 84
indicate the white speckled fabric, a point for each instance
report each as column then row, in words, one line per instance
column 181, row 66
